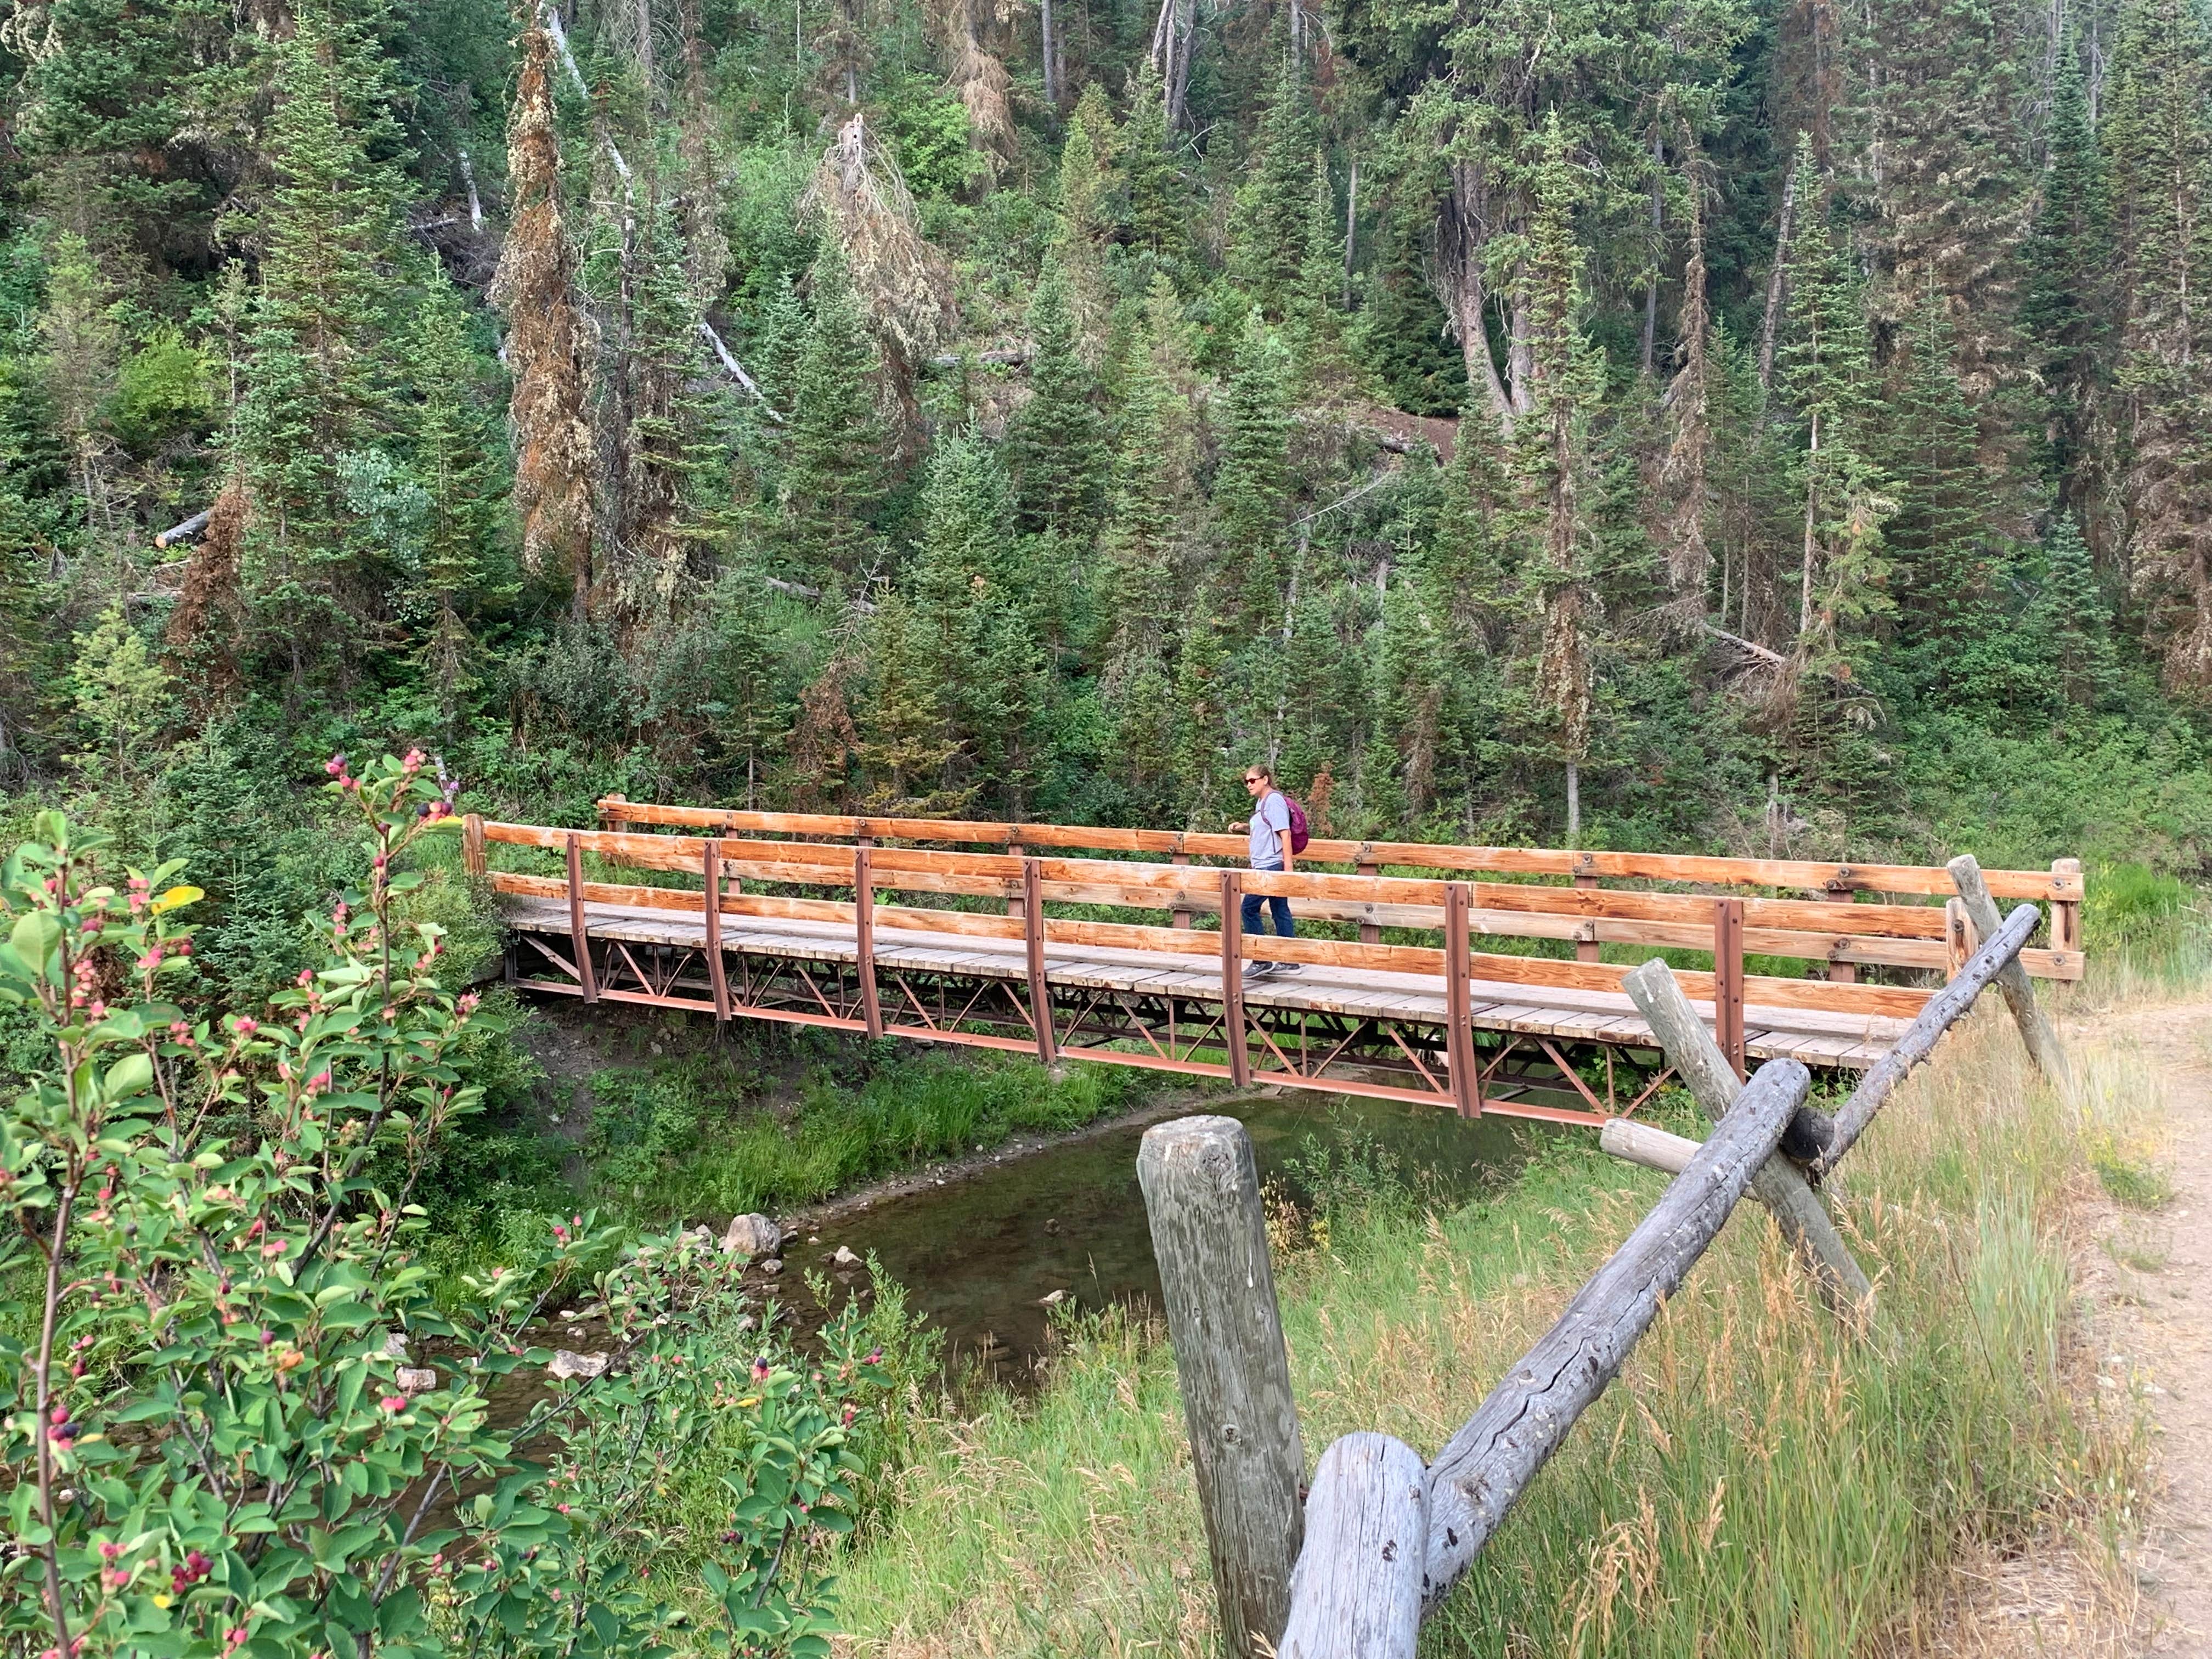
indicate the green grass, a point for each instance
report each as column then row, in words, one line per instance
column 1757, row 1484
column 681, row 1141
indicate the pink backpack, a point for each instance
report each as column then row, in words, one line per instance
column 1300, row 836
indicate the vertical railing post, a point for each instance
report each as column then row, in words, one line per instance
column 718, row 976
column 1839, row 971
column 1181, row 916
column 611, row 819
column 579, row 937
column 1033, row 936
column 864, row 933
column 1210, row 1238
column 2066, row 914
column 1019, row 906
column 1958, row 942
column 1459, row 1004
column 1232, row 977
column 1371, row 932
column 1588, row 949
column 472, row 846
column 1728, row 980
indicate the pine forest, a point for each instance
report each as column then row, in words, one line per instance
column 1722, row 424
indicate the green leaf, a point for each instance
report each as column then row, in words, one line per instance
column 33, row 937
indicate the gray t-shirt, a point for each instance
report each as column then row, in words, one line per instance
column 1272, row 820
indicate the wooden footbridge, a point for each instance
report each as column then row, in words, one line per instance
column 1124, row 946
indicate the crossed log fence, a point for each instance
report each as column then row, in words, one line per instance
column 1351, row 1572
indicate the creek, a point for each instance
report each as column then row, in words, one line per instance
column 981, row 1254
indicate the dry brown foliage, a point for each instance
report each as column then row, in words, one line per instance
column 548, row 338
column 210, row 619
column 904, row 284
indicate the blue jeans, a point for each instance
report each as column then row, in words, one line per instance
column 1284, row 927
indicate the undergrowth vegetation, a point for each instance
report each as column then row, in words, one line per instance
column 680, row 1140
column 1759, row 1482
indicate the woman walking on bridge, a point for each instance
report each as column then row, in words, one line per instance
column 1271, row 849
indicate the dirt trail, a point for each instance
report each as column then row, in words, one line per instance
column 2168, row 1331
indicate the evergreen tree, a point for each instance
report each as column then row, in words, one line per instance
column 1266, row 251
column 1400, row 334
column 2066, row 255
column 1942, row 539
column 453, row 444
column 1251, row 490
column 1828, row 380
column 2073, row 634
column 1157, row 198
column 1055, row 440
column 833, row 482
column 317, row 379
column 1551, row 444
column 680, row 420
column 83, row 352
column 2160, row 146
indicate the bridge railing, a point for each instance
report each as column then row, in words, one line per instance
column 1351, row 1572
column 1838, row 929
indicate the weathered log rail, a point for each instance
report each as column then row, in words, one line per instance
column 1383, row 1535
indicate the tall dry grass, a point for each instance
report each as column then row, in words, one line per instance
column 1758, row 1483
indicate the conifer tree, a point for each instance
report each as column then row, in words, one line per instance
column 317, row 376
column 1828, row 380
column 2063, row 312
column 1550, row 443
column 2160, row 145
column 1266, row 250
column 1251, row 490
column 1313, row 322
column 1157, row 206
column 678, row 447
column 1400, row 333
column 1056, row 440
column 547, row 341
column 1942, row 538
column 834, row 481
column 84, row 351
column 2075, row 636
column 452, row 449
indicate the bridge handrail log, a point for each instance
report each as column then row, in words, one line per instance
column 1910, row 936
column 2058, row 884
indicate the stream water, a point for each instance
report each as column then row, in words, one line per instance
column 981, row 1254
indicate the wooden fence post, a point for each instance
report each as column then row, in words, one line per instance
column 2035, row 1028
column 579, row 937
column 1777, row 1183
column 718, row 976
column 1181, row 916
column 1019, row 906
column 1232, row 977
column 1210, row 1237
column 864, row 932
column 1727, row 981
column 1357, row 1587
column 611, row 819
column 1459, row 1005
column 1039, row 988
column 1371, row 932
column 472, row 846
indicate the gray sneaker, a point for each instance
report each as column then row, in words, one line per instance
column 1287, row 967
column 1258, row 970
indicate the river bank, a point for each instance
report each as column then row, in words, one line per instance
column 1757, row 1484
